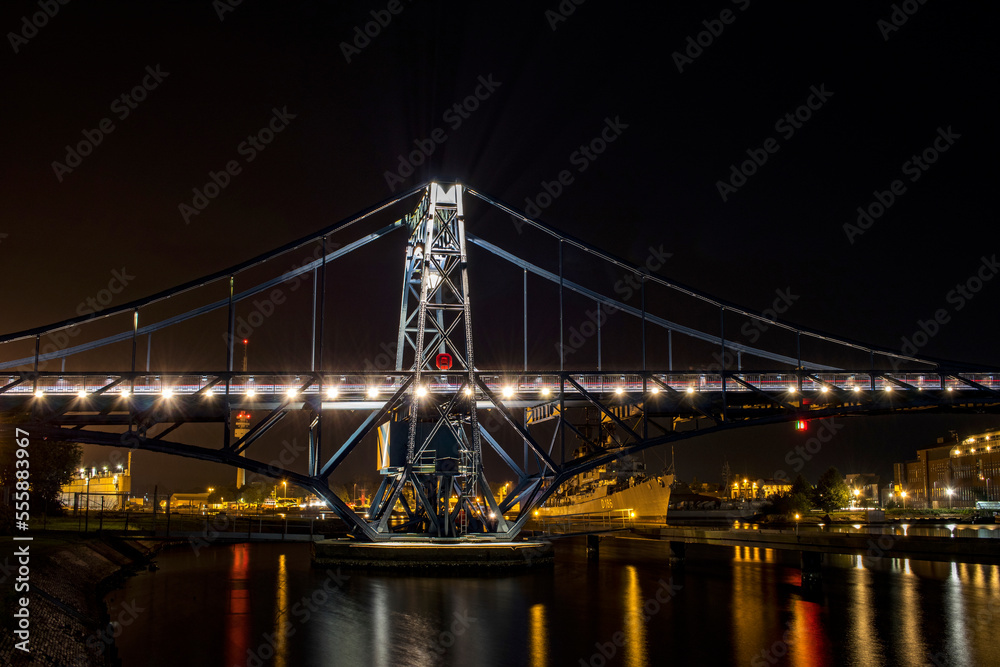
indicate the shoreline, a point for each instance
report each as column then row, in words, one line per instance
column 70, row 577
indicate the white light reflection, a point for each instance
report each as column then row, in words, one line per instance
column 381, row 637
column 908, row 634
column 956, row 641
column 863, row 646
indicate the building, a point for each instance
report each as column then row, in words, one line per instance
column 950, row 475
column 96, row 489
column 189, row 501
column 750, row 489
column 864, row 488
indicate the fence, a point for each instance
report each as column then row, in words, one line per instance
column 99, row 513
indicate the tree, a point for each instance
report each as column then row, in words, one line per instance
column 221, row 493
column 52, row 464
column 801, row 486
column 831, row 491
column 791, row 504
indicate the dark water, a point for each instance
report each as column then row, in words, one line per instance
column 262, row 604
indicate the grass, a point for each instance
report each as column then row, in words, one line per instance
column 144, row 523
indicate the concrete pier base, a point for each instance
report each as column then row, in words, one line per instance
column 431, row 554
column 677, row 551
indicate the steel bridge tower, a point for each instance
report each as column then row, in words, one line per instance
column 430, row 442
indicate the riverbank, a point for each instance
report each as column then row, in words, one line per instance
column 896, row 515
column 70, row 576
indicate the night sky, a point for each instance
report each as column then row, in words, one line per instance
column 508, row 97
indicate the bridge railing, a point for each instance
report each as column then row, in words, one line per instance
column 509, row 387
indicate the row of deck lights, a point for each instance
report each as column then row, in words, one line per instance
column 856, row 388
column 373, row 392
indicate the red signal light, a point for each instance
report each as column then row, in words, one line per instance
column 800, row 425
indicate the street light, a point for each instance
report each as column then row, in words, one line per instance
column 284, row 490
column 903, row 494
column 949, row 492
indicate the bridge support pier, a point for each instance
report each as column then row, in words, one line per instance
column 593, row 547
column 677, row 551
column 811, row 569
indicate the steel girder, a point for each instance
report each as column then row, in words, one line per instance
column 435, row 316
column 668, row 409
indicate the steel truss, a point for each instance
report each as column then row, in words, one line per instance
column 437, row 479
column 677, row 406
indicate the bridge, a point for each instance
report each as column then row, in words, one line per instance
column 427, row 412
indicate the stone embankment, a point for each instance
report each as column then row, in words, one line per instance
column 70, row 575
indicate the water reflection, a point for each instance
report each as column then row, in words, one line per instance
column 538, row 636
column 954, row 617
column 281, row 614
column 809, row 644
column 863, row 643
column 380, row 640
column 748, row 612
column 238, row 619
column 635, row 626
column 908, row 620
column 740, row 606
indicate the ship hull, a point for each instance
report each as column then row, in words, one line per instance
column 648, row 500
